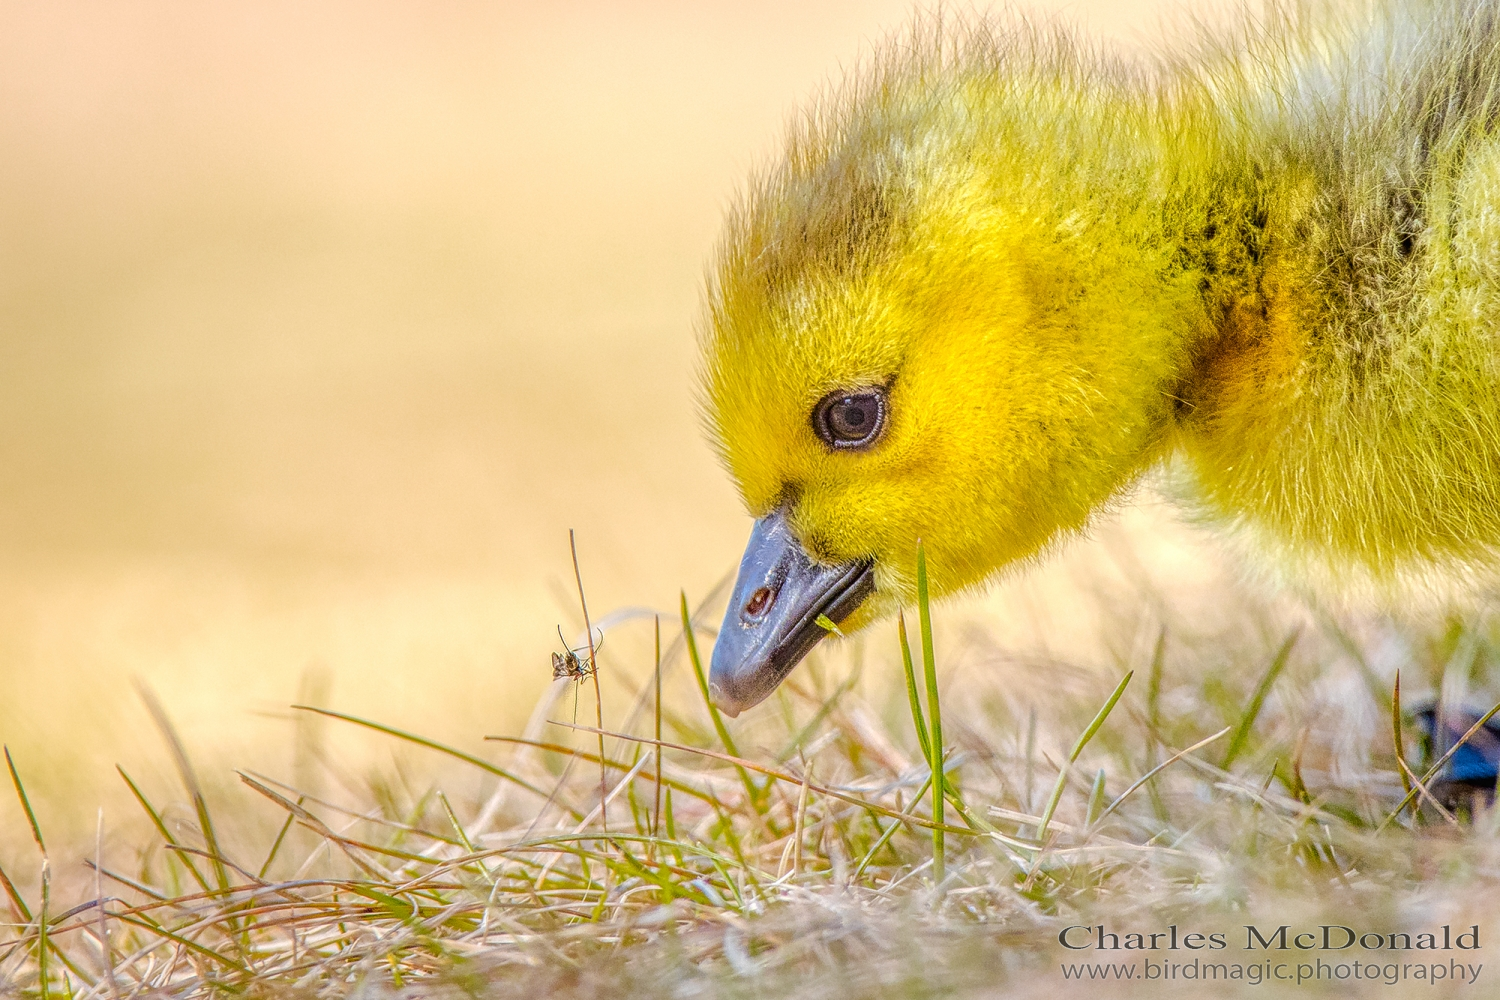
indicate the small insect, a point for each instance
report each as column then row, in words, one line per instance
column 569, row 664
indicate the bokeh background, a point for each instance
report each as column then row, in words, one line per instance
column 322, row 324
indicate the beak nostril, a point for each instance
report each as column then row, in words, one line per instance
column 759, row 602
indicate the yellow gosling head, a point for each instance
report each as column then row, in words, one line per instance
column 955, row 312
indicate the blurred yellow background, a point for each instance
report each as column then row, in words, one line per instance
column 321, row 324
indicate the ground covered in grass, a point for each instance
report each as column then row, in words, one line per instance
column 1222, row 811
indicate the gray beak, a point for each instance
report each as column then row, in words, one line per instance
column 772, row 619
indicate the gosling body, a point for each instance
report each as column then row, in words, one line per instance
column 1275, row 265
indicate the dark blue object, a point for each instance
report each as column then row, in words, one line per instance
column 1476, row 764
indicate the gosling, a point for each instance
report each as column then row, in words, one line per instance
column 1000, row 276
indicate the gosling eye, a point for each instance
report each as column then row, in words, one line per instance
column 850, row 421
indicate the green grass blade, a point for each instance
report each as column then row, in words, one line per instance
column 276, row 845
column 1096, row 799
column 1078, row 745
column 316, row 825
column 43, row 947
column 161, row 828
column 917, row 715
column 400, row 909
column 935, row 726
column 458, row 827
column 23, row 912
column 889, row 831
column 45, row 942
column 702, row 678
column 1252, row 711
column 1153, row 719
column 713, row 710
column 1153, row 696
column 456, row 754
column 189, row 781
column 15, row 778
column 656, row 805
column 1396, row 740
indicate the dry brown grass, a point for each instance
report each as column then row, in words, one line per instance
column 794, row 852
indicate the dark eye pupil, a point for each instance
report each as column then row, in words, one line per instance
column 849, row 418
column 850, row 421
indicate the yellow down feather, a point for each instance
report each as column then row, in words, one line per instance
column 1275, row 263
